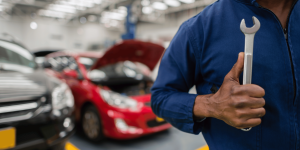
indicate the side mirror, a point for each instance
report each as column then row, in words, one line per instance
column 96, row 76
column 70, row 73
column 46, row 64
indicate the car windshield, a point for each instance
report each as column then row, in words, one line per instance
column 14, row 54
column 88, row 62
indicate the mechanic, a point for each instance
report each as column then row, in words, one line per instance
column 207, row 52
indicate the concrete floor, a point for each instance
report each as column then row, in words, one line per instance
column 171, row 139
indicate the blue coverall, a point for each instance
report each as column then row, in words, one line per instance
column 204, row 50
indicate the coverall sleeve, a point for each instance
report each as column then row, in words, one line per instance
column 170, row 98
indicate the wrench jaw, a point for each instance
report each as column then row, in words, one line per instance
column 252, row 30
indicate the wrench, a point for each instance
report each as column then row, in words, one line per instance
column 248, row 53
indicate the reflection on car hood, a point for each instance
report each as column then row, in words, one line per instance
column 132, row 50
column 19, row 86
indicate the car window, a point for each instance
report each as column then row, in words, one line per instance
column 64, row 62
column 14, row 54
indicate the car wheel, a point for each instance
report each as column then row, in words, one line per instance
column 91, row 124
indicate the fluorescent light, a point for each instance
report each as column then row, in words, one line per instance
column 114, row 23
column 113, row 15
column 50, row 13
column 147, row 10
column 187, row 1
column 122, row 10
column 62, row 8
column 159, row 6
column 78, row 3
column 98, row 1
column 145, row 2
column 33, row 25
column 172, row 3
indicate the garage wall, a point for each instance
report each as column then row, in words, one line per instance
column 162, row 32
column 75, row 36
column 57, row 34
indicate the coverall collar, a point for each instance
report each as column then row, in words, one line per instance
column 253, row 2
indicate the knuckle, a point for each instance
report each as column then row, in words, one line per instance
column 240, row 114
column 239, row 102
column 235, row 103
column 238, row 123
column 235, row 90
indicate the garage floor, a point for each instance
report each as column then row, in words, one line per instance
column 171, row 139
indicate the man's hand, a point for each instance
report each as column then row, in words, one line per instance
column 240, row 106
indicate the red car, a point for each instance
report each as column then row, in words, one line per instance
column 111, row 90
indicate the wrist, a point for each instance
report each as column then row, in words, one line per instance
column 201, row 107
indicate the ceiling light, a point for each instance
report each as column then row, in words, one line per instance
column 33, row 25
column 187, row 1
column 78, row 3
column 122, row 10
column 98, row 1
column 62, row 8
column 82, row 20
column 113, row 15
column 54, row 14
column 147, row 10
column 172, row 3
column 145, row 3
column 114, row 23
column 159, row 6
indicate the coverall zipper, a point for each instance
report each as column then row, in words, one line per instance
column 285, row 31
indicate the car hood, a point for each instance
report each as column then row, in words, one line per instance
column 16, row 86
column 133, row 50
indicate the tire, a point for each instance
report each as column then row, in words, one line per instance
column 91, row 124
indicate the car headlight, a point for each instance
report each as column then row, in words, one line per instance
column 118, row 100
column 62, row 97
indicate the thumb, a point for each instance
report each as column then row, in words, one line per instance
column 237, row 69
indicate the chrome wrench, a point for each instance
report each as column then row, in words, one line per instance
column 248, row 52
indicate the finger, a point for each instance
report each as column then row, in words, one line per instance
column 256, row 102
column 237, row 68
column 256, row 113
column 250, row 123
column 251, row 90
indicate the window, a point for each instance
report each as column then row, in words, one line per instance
column 13, row 54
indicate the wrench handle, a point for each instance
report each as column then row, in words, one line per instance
column 247, row 73
column 248, row 61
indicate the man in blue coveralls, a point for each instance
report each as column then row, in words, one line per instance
column 206, row 52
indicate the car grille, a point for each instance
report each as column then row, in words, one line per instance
column 16, row 111
column 155, row 123
column 20, row 97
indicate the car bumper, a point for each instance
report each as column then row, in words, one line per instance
column 139, row 124
column 43, row 135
